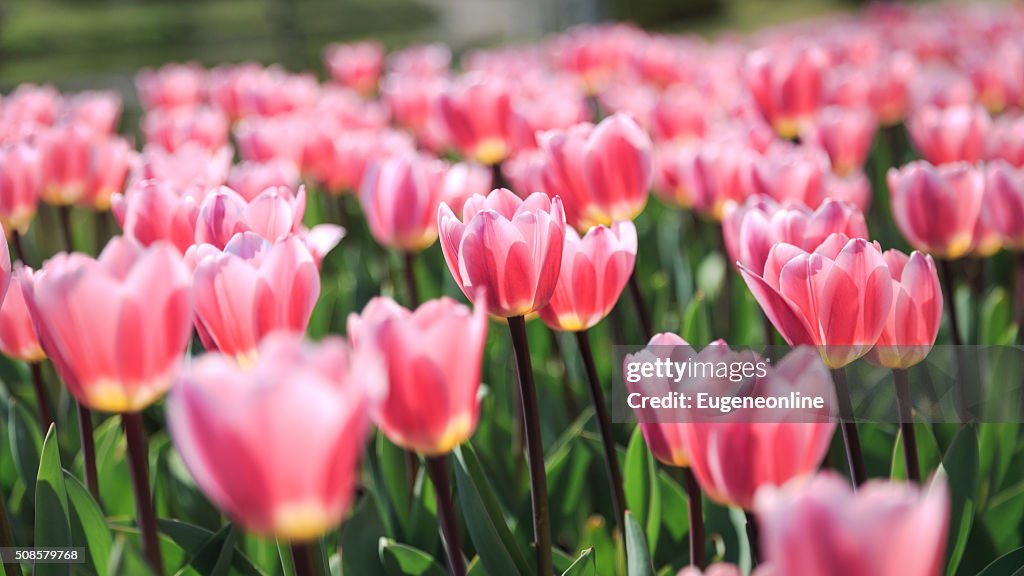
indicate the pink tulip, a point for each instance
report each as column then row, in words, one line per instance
column 421, row 60
column 602, row 172
column 662, row 432
column 594, row 271
column 18, row 339
column 112, row 159
column 251, row 289
column 509, row 246
column 277, row 447
column 357, row 65
column 916, row 313
column 1005, row 140
column 854, row 188
column 353, row 154
column 596, row 54
column 823, row 528
column 542, row 102
column 477, row 113
column 400, row 197
column 680, row 114
column 116, row 327
column 845, row 134
column 996, row 74
column 20, row 186
column 465, row 180
column 279, row 138
column 433, row 355
column 151, row 211
column 955, row 134
column 1003, row 204
column 190, row 165
column 789, row 172
column 717, row 173
column 250, row 179
column 413, row 101
column 717, row 569
column 787, row 84
column 31, row 106
column 96, row 111
column 937, row 208
column 837, row 297
column 172, row 86
column 171, row 129
column 752, row 229
column 66, row 160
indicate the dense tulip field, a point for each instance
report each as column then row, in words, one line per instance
column 377, row 324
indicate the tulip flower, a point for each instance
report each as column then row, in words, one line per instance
column 664, row 436
column 421, row 60
column 790, row 172
column 845, row 134
column 509, row 246
column 955, row 134
column 837, row 297
column 171, row 129
column 115, row 327
column 250, row 179
column 250, row 289
column 823, row 528
column 277, row 447
column 353, row 154
column 156, row 210
column 594, row 271
column 111, row 161
column 20, row 186
column 400, row 197
column 465, row 180
column 750, row 230
column 96, row 111
column 937, row 208
column 477, row 111
column 787, row 84
column 357, row 65
column 601, row 172
column 190, row 165
column 433, row 355
column 1003, row 204
column 18, row 339
column 172, row 86
column 916, row 313
column 280, row 138
column 680, row 114
column 1005, row 140
column 717, row 569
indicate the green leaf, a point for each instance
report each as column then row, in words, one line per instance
column 585, row 565
column 401, row 560
column 1009, row 564
column 928, row 453
column 52, row 527
column 359, row 536
column 125, row 560
column 643, row 490
column 88, row 526
column 491, row 537
column 195, row 539
column 696, row 324
column 636, row 549
column 997, row 325
column 26, row 442
column 711, row 274
column 214, row 558
column 960, row 468
column 395, row 475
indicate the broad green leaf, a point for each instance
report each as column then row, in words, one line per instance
column 26, row 442
column 359, row 537
column 636, row 549
column 960, row 468
column 643, row 490
column 88, row 526
column 194, row 539
column 216, row 555
column 696, row 324
column 928, row 454
column 1004, row 516
column 401, row 560
column 52, row 527
column 585, row 565
column 126, row 560
column 487, row 529
column 1009, row 564
column 997, row 326
column 116, row 495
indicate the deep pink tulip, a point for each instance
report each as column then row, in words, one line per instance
column 400, row 197
column 601, row 172
column 845, row 134
column 947, row 135
column 823, row 528
column 172, row 86
column 353, row 154
column 250, row 289
column 508, row 246
column 594, row 271
column 916, row 313
column 20, row 186
column 735, row 456
column 662, row 432
column 116, row 327
column 250, row 179
column 751, row 229
column 433, row 357
column 277, row 447
column 1003, row 204
column 357, row 65
column 18, row 339
column 273, row 215
column 156, row 210
column 837, row 297
column 787, row 84
column 937, row 208
column 171, row 129
column 477, row 113
column 190, row 165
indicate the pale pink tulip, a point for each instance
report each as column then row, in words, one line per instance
column 172, row 86
column 157, row 210
column 171, row 129
column 400, row 197
column 945, row 136
column 190, row 165
column 845, row 134
column 1003, row 204
column 250, row 179
column 937, row 208
column 18, row 339
column 787, row 84
column 357, row 65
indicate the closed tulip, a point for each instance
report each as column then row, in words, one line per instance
column 787, row 82
column 18, row 337
column 601, row 172
column 357, row 65
column 400, row 197
column 190, row 164
column 278, row 138
column 433, row 356
column 837, row 297
column 250, row 289
column 277, row 447
column 788, row 172
column 845, row 134
column 250, row 179
column 20, row 186
column 937, row 208
column 172, row 86
column 115, row 327
column 662, row 430
column 823, row 528
column 1003, row 204
column 154, row 210
column 916, row 313
column 509, row 246
column 594, row 271
column 717, row 569
column 477, row 113
column 947, row 135
column 171, row 129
